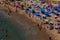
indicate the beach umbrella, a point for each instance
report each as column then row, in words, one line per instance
column 37, row 13
column 47, row 13
column 55, row 7
column 42, row 10
column 58, row 9
column 58, row 5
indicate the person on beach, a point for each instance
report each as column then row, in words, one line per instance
column 16, row 5
column 51, row 24
column 32, row 11
column 58, row 25
column 22, row 4
column 56, row 17
column 50, row 38
column 44, row 16
column 39, row 26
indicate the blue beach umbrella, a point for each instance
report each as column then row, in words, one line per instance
column 58, row 9
column 47, row 13
column 42, row 10
column 37, row 13
column 55, row 7
column 58, row 5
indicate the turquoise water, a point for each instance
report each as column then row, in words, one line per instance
column 9, row 29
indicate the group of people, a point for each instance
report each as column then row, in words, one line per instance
column 42, row 10
column 38, row 7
